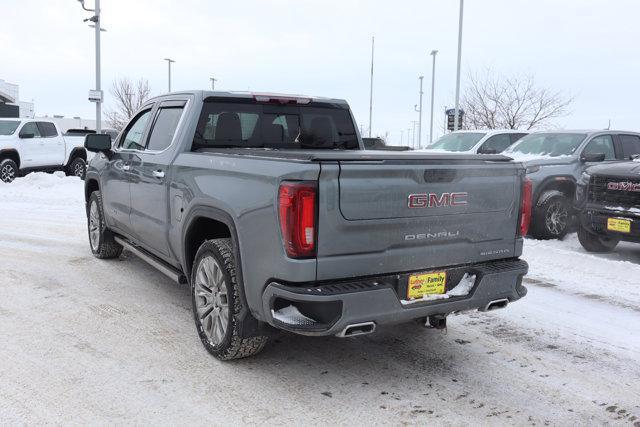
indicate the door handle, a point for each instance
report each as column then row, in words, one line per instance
column 158, row 173
column 126, row 167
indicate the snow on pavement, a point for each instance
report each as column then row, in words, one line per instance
column 92, row 341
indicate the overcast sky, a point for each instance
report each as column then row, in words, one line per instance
column 588, row 49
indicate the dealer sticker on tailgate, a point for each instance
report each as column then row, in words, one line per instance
column 619, row 225
column 426, row 284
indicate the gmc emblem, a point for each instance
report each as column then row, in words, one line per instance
column 433, row 200
column 623, row 186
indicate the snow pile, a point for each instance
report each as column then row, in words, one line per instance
column 566, row 266
column 463, row 288
column 527, row 157
column 43, row 188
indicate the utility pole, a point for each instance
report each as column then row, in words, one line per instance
column 419, row 110
column 169, row 61
column 433, row 89
column 98, row 96
column 213, row 83
column 371, row 86
column 457, row 107
column 401, row 137
column 409, row 137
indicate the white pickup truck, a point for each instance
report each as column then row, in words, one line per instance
column 28, row 145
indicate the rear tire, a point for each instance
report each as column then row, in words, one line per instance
column 100, row 237
column 594, row 243
column 217, row 305
column 77, row 167
column 8, row 170
column 551, row 219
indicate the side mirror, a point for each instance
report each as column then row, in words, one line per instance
column 98, row 142
column 486, row 150
column 592, row 157
column 26, row 135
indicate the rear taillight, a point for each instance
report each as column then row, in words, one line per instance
column 525, row 207
column 297, row 211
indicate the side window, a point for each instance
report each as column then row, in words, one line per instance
column 601, row 144
column 132, row 137
column 47, row 129
column 497, row 142
column 164, row 128
column 630, row 145
column 32, row 128
column 516, row 136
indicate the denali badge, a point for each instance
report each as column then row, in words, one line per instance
column 437, row 235
column 433, row 200
column 624, row 186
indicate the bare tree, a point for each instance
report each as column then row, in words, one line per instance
column 492, row 101
column 128, row 97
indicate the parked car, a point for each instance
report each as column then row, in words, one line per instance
column 28, row 145
column 555, row 161
column 608, row 199
column 268, row 207
column 379, row 144
column 477, row 141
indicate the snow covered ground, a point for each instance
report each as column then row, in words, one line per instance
column 89, row 341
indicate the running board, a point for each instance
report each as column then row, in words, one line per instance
column 156, row 263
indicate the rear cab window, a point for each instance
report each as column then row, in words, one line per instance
column 165, row 125
column 246, row 123
column 47, row 129
column 8, row 127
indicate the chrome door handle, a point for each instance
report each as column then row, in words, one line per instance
column 126, row 167
column 158, row 174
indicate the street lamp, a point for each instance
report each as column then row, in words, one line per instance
column 433, row 88
column 371, row 87
column 457, row 106
column 96, row 96
column 419, row 110
column 169, row 61
column 213, row 83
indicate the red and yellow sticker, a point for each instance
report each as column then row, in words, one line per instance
column 426, row 284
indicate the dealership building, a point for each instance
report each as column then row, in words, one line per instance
column 11, row 106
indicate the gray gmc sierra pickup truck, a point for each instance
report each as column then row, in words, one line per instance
column 270, row 209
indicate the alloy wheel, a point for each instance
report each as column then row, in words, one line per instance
column 212, row 303
column 8, row 173
column 556, row 218
column 94, row 226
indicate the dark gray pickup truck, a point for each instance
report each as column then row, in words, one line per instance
column 270, row 209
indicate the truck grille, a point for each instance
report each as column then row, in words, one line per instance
column 600, row 194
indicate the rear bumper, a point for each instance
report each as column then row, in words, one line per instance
column 328, row 308
column 594, row 219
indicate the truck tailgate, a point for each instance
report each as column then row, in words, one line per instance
column 396, row 215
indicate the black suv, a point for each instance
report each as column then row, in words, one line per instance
column 608, row 199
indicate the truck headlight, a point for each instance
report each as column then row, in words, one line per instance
column 585, row 178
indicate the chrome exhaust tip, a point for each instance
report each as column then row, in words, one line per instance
column 497, row 304
column 357, row 329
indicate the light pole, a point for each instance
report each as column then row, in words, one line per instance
column 97, row 98
column 419, row 110
column 213, row 83
column 169, row 61
column 433, row 89
column 413, row 134
column 401, row 132
column 371, row 87
column 457, row 107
